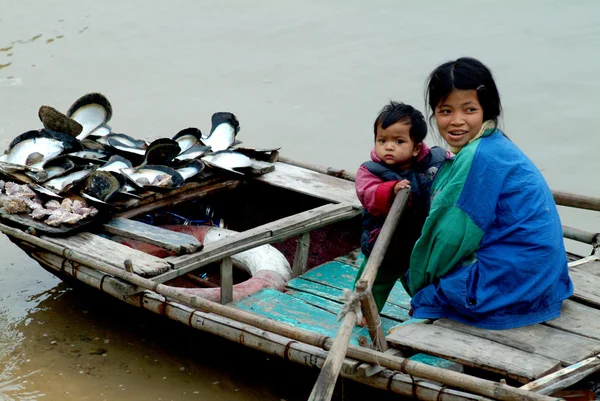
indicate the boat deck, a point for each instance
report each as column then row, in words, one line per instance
column 312, row 301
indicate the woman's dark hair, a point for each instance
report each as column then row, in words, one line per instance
column 465, row 73
column 395, row 112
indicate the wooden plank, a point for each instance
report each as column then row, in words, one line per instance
column 171, row 240
column 175, row 197
column 340, row 275
column 390, row 310
column 113, row 253
column 311, row 183
column 261, row 235
column 537, row 339
column 301, row 255
column 565, row 377
column 287, row 309
column 369, row 309
column 578, row 319
column 335, row 307
column 226, row 281
column 473, row 351
column 586, row 287
column 591, row 266
column 354, row 258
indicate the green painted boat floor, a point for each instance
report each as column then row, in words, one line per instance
column 312, row 302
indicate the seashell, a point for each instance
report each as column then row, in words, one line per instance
column 161, row 152
column 225, row 127
column 90, row 155
column 115, row 164
column 187, row 138
column 195, row 152
column 102, row 185
column 191, row 169
column 151, row 177
column 25, row 149
column 228, row 160
column 65, row 182
column 101, row 131
column 91, row 111
column 127, row 144
column 54, row 120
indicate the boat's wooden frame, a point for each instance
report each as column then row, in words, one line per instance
column 139, row 279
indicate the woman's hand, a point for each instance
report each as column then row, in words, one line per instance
column 401, row 185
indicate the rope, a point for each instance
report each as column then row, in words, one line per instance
column 351, row 303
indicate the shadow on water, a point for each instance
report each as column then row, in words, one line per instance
column 78, row 343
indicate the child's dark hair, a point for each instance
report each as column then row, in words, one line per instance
column 465, row 73
column 400, row 112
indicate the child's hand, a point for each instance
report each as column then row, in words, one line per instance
column 401, row 185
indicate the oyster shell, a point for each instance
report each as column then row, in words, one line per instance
column 91, row 111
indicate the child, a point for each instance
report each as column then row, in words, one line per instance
column 400, row 159
column 491, row 253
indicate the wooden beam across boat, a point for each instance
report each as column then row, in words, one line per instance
column 265, row 234
column 167, row 239
column 112, row 253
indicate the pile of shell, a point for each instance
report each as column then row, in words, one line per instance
column 16, row 198
column 78, row 153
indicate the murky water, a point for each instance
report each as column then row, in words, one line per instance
column 309, row 77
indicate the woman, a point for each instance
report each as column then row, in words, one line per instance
column 491, row 253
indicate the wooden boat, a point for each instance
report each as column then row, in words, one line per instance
column 311, row 214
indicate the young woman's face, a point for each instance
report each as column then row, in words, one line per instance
column 394, row 146
column 460, row 117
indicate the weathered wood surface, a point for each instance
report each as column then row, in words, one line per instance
column 390, row 310
column 176, row 196
column 226, row 280
column 287, row 309
column 578, row 319
column 112, row 253
column 261, row 235
column 473, row 351
column 565, row 377
column 586, row 287
column 592, row 266
column 341, row 275
column 301, row 255
column 354, row 258
column 311, row 183
column 335, row 307
column 536, row 339
column 574, row 200
column 171, row 240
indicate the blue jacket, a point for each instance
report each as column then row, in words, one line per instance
column 491, row 253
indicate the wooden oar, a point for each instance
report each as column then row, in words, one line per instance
column 323, row 388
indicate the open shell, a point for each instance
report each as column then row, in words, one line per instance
column 91, row 111
column 187, row 138
column 191, row 169
column 228, row 160
column 33, row 148
column 147, row 177
column 102, row 185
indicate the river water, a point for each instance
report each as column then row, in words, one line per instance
column 307, row 76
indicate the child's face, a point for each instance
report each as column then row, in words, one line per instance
column 459, row 117
column 394, row 146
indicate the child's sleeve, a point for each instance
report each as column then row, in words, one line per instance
column 374, row 194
